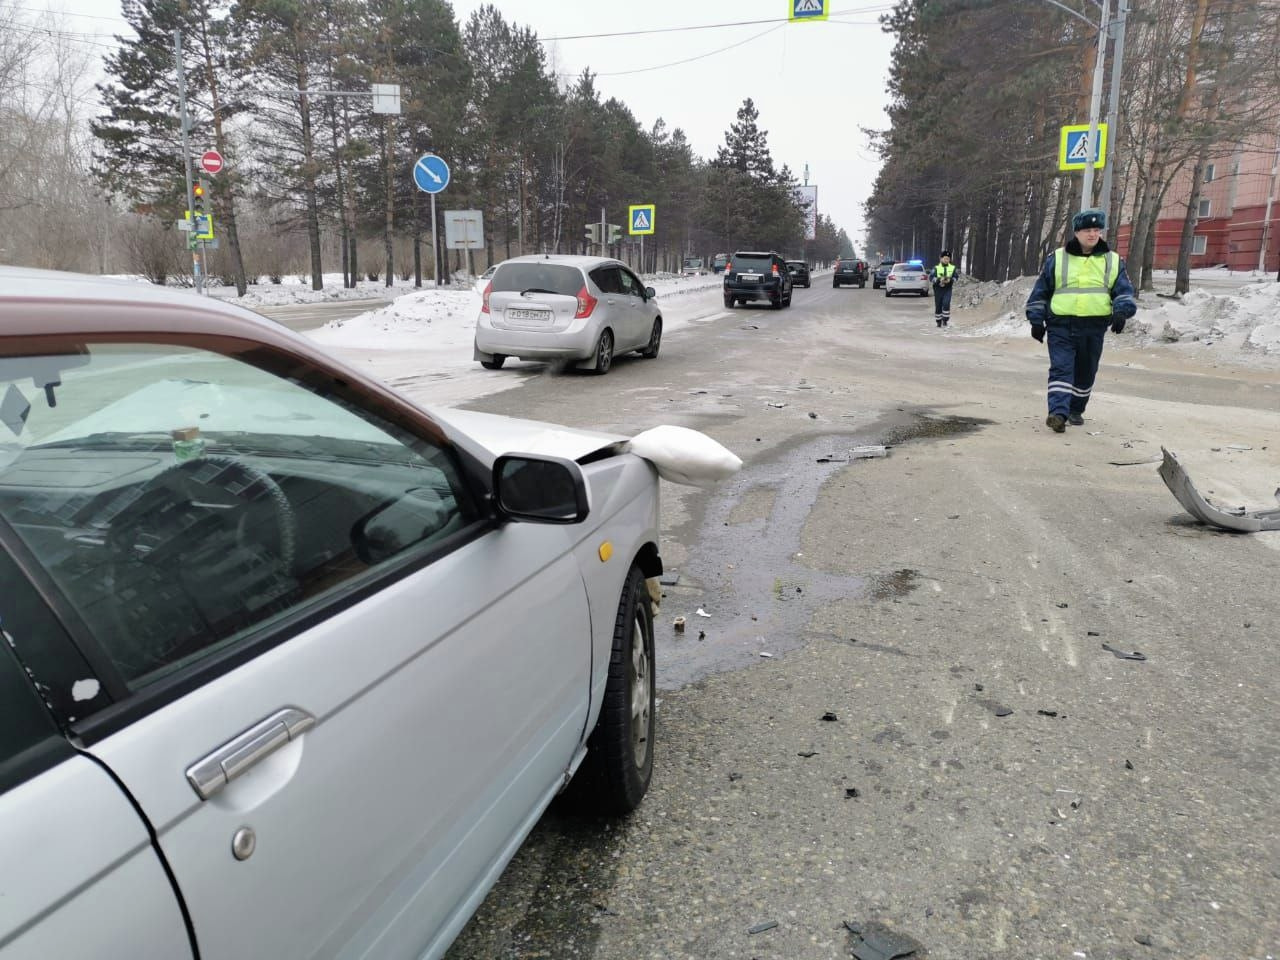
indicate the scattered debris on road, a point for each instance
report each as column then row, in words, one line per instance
column 678, row 623
column 830, row 717
column 852, row 793
column 875, row 941
column 702, row 613
column 1235, row 519
column 869, row 452
column 1124, row 654
column 669, row 579
column 762, row 927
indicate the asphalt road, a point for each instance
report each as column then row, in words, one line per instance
column 994, row 783
column 308, row 316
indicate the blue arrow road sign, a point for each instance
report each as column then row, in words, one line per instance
column 431, row 173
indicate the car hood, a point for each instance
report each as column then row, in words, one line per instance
column 499, row 434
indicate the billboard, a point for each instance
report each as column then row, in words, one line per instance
column 807, row 197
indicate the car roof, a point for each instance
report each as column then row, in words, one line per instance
column 755, row 253
column 564, row 259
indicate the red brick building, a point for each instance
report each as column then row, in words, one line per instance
column 1239, row 197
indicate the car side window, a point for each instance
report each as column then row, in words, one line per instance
column 629, row 284
column 607, row 279
column 181, row 499
column 30, row 742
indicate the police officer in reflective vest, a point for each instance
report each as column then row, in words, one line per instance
column 1082, row 289
column 943, row 273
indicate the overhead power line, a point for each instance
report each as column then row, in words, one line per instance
column 882, row 8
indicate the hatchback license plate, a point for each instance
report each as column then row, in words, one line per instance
column 518, row 314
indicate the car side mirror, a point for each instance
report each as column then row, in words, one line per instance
column 650, row 293
column 538, row 489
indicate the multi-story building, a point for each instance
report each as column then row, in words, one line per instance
column 1237, row 216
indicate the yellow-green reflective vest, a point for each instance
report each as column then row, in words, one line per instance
column 945, row 270
column 1082, row 285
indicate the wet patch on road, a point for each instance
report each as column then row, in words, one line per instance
column 748, row 572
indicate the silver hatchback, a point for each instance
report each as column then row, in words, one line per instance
column 583, row 309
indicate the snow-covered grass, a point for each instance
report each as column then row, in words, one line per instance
column 1240, row 313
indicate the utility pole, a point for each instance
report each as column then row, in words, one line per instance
column 604, row 235
column 1113, row 106
column 1095, row 106
column 196, row 258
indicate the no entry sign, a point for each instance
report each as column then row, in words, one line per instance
column 211, row 161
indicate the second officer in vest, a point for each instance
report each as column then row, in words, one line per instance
column 943, row 273
column 1082, row 289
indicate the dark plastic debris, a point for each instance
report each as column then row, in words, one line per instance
column 1003, row 711
column 1124, row 654
column 830, row 717
column 876, row 942
column 812, row 415
column 807, row 753
column 669, row 579
column 734, row 777
column 1047, row 713
column 1144, row 939
column 1128, row 765
column 852, row 793
column 762, row 927
column 1094, row 633
column 979, row 687
column 1062, row 606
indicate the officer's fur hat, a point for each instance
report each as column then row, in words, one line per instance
column 944, row 253
column 1085, row 219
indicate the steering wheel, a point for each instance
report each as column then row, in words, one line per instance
column 202, row 549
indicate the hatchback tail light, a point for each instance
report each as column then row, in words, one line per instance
column 484, row 300
column 891, row 277
column 775, row 269
column 586, row 303
column 728, row 267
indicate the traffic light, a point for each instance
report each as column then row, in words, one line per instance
column 593, row 233
column 615, row 233
column 201, row 190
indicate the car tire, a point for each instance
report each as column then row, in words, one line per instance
column 496, row 363
column 728, row 303
column 604, row 353
column 619, row 762
column 863, row 285
column 655, row 340
column 776, row 304
column 887, row 293
column 835, row 284
column 787, row 302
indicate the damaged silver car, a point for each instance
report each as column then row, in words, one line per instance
column 289, row 666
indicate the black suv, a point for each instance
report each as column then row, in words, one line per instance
column 849, row 270
column 755, row 275
column 882, row 272
column 799, row 271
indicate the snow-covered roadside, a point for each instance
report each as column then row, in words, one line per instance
column 1240, row 319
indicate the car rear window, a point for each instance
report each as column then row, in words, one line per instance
column 552, row 277
column 758, row 264
column 907, row 268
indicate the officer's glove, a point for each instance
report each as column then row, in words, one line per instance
column 1037, row 331
column 1117, row 325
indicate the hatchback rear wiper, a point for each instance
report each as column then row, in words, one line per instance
column 525, row 293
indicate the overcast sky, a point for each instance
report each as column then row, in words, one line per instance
column 816, row 85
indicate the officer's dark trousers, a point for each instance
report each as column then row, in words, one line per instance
column 1075, row 347
column 942, row 304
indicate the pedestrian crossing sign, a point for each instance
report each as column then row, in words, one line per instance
column 640, row 219
column 808, row 10
column 1073, row 149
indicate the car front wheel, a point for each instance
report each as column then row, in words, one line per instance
column 619, row 762
column 655, row 340
column 728, row 303
column 496, row 363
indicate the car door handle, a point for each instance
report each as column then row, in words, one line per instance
column 214, row 771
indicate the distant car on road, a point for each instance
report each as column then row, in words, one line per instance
column 908, row 277
column 583, row 309
column 881, row 273
column 849, row 271
column 753, row 275
column 693, row 267
column 718, row 262
column 799, row 271
column 290, row 666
